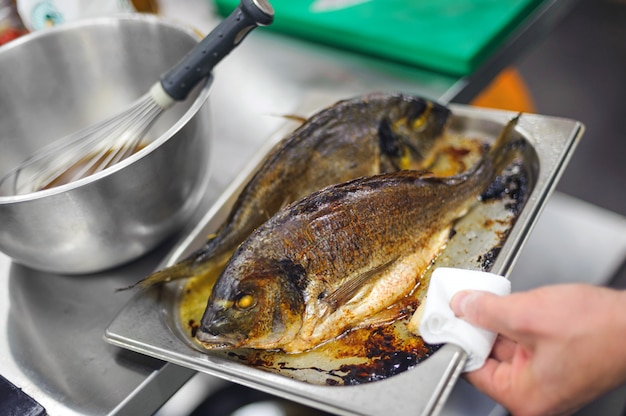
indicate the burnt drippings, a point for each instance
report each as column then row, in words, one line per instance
column 378, row 369
column 488, row 259
column 193, row 327
column 382, row 352
column 513, row 184
column 386, row 358
column 253, row 358
column 513, row 187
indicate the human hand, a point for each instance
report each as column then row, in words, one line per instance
column 559, row 346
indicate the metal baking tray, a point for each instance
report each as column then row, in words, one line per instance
column 149, row 323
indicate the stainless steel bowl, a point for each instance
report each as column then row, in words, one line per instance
column 56, row 81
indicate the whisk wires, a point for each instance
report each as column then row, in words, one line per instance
column 84, row 152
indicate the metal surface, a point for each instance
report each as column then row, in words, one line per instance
column 119, row 214
column 421, row 390
column 52, row 348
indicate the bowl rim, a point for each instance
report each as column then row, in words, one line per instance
column 194, row 108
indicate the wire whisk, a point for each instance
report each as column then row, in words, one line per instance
column 104, row 144
column 84, row 152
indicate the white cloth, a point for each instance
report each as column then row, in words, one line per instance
column 438, row 324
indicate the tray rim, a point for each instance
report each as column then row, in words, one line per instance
column 436, row 375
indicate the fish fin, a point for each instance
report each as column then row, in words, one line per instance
column 347, row 291
column 500, row 149
column 179, row 270
column 500, row 154
column 190, row 267
column 391, row 314
column 292, row 117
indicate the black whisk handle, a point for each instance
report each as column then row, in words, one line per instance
column 199, row 63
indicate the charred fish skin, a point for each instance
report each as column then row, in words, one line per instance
column 400, row 220
column 276, row 291
column 362, row 136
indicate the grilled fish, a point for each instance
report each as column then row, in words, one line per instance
column 358, row 137
column 340, row 257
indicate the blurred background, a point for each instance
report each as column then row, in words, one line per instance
column 579, row 71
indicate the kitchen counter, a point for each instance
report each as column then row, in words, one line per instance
column 53, row 325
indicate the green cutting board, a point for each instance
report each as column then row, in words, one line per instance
column 449, row 36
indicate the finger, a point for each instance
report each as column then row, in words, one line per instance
column 491, row 379
column 503, row 349
column 486, row 310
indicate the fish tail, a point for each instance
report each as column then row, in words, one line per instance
column 499, row 156
column 195, row 265
column 500, row 152
column 177, row 271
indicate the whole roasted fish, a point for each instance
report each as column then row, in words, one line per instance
column 341, row 257
column 358, row 137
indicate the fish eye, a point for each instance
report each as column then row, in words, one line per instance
column 245, row 301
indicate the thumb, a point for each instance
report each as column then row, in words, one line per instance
column 483, row 309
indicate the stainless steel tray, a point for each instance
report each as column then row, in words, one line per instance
column 149, row 325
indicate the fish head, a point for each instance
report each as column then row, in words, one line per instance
column 254, row 304
column 409, row 129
